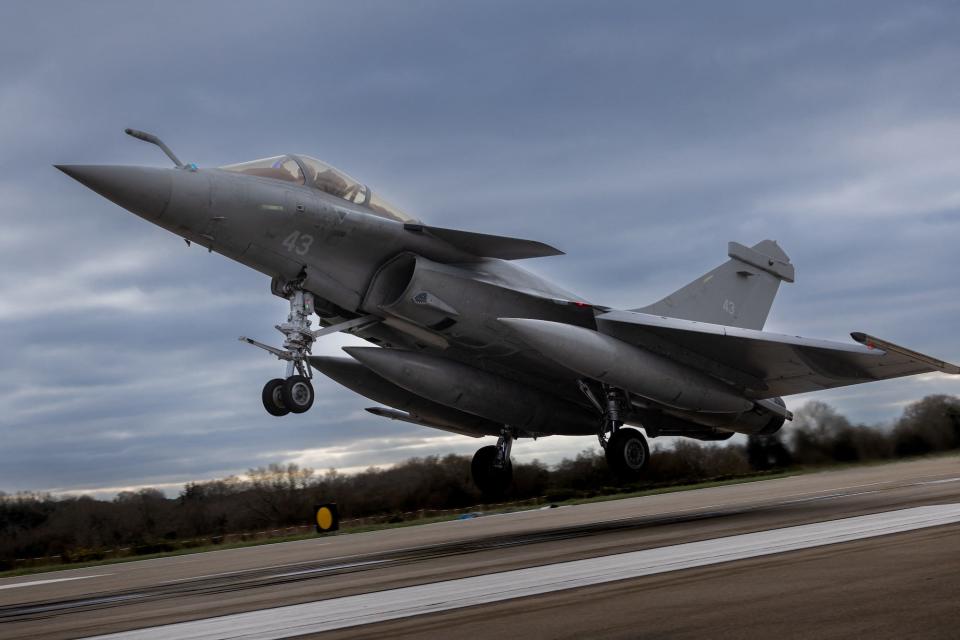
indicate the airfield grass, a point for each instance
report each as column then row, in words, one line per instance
column 479, row 509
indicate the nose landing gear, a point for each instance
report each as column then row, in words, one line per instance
column 293, row 394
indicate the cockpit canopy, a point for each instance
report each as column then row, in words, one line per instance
column 321, row 176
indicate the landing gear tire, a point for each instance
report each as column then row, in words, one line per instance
column 273, row 397
column 627, row 454
column 297, row 394
column 493, row 481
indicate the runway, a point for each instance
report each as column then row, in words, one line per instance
column 863, row 550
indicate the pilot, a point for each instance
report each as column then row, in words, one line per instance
column 331, row 182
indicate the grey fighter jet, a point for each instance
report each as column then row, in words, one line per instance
column 466, row 341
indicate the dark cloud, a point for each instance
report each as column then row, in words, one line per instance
column 639, row 138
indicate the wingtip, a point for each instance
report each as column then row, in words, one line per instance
column 883, row 346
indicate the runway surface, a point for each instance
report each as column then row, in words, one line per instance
column 864, row 550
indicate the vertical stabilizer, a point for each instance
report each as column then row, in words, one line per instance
column 738, row 293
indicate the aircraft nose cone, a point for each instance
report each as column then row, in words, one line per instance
column 144, row 191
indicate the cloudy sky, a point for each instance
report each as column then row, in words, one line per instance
column 639, row 138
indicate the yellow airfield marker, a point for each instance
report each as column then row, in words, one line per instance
column 327, row 518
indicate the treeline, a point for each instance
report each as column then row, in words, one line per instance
column 79, row 528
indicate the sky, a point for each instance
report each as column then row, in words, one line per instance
column 638, row 137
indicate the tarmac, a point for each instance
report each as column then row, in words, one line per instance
column 864, row 550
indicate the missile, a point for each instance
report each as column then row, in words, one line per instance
column 481, row 393
column 360, row 379
column 641, row 372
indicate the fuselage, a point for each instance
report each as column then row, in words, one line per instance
column 357, row 261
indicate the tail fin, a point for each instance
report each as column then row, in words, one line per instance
column 738, row 293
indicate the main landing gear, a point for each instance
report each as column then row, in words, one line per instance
column 626, row 449
column 491, row 467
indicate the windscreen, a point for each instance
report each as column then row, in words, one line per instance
column 278, row 167
column 323, row 177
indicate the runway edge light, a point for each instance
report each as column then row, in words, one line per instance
column 326, row 517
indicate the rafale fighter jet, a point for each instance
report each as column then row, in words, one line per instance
column 466, row 341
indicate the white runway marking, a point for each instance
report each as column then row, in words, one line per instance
column 337, row 613
column 34, row 583
column 944, row 481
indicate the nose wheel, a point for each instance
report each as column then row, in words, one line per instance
column 292, row 395
column 297, row 394
column 273, row 397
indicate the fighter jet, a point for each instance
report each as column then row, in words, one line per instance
column 465, row 340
